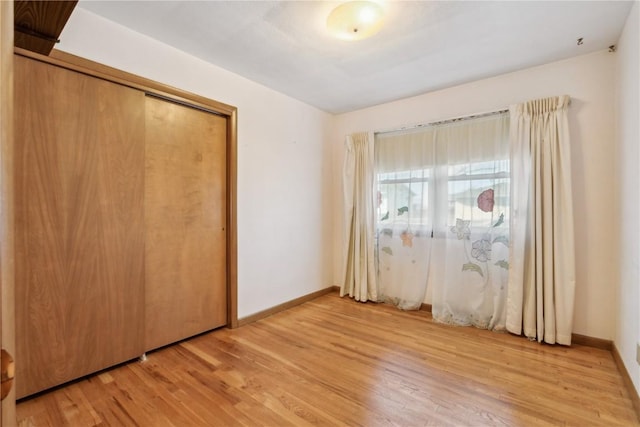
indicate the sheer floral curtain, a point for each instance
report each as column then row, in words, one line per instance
column 443, row 212
column 480, row 211
column 471, row 238
column 404, row 172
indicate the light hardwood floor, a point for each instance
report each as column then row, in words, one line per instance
column 333, row 361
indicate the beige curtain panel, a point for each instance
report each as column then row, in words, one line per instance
column 542, row 268
column 358, row 176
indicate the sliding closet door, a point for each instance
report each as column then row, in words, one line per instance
column 79, row 224
column 185, row 217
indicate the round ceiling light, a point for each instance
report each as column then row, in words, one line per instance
column 355, row 20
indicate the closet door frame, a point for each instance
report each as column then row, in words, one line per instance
column 7, row 223
column 230, row 113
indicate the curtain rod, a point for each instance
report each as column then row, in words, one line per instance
column 446, row 121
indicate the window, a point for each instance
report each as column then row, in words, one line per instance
column 404, row 197
column 443, row 214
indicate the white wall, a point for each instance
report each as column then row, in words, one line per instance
column 290, row 158
column 628, row 139
column 588, row 80
column 283, row 244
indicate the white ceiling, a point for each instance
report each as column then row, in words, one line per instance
column 423, row 46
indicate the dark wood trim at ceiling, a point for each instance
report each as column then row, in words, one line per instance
column 38, row 24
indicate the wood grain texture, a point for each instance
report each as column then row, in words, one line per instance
column 332, row 362
column 232, row 219
column 80, row 232
column 7, row 307
column 284, row 306
column 102, row 71
column 81, row 65
column 633, row 394
column 592, row 342
column 575, row 338
column 185, row 220
column 38, row 23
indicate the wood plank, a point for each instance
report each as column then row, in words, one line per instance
column 80, row 233
column 38, row 23
column 284, row 306
column 592, row 342
column 635, row 398
column 332, row 361
column 185, row 220
column 575, row 338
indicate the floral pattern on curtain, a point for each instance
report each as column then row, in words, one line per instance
column 403, row 232
column 443, row 219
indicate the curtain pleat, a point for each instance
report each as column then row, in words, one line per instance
column 360, row 273
column 542, row 275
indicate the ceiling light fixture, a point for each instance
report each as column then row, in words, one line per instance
column 355, row 20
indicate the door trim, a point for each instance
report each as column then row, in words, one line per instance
column 7, row 252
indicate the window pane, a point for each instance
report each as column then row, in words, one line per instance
column 403, row 196
column 463, row 201
column 479, row 192
column 493, row 167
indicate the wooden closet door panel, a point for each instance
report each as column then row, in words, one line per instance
column 79, row 224
column 185, row 218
